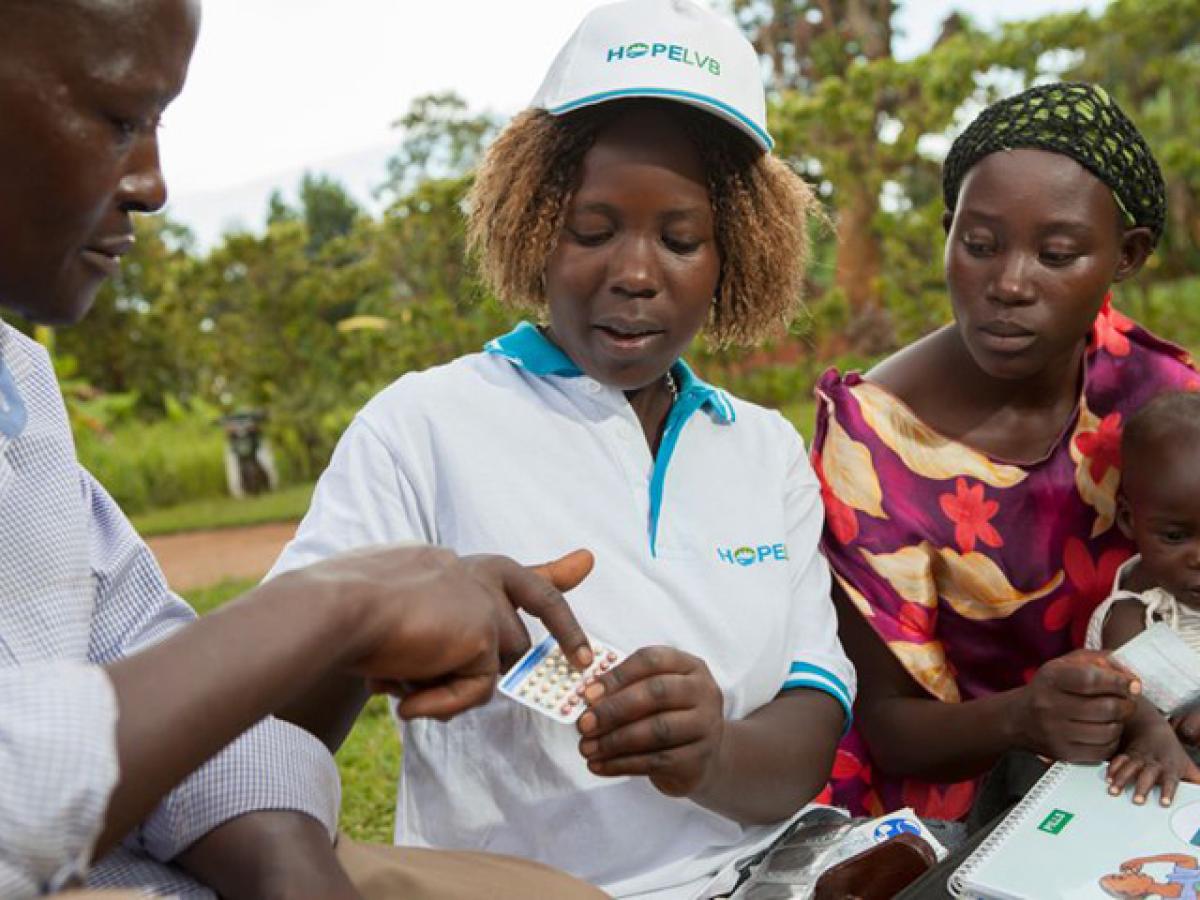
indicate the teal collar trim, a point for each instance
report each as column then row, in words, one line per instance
column 527, row 347
column 715, row 400
column 694, row 394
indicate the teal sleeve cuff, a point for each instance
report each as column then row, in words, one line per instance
column 807, row 675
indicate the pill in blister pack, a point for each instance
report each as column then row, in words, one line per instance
column 543, row 679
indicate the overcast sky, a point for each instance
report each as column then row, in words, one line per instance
column 278, row 87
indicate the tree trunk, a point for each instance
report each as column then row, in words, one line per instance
column 859, row 267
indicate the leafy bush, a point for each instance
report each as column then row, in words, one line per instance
column 1169, row 309
column 155, row 464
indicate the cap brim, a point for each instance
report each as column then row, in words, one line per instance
column 702, row 101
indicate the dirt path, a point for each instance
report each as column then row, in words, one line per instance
column 202, row 558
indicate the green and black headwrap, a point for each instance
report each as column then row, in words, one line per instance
column 1077, row 120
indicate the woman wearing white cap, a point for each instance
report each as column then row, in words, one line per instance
column 635, row 206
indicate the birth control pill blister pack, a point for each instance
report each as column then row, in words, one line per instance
column 544, row 680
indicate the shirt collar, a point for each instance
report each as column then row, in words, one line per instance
column 527, row 347
column 13, row 414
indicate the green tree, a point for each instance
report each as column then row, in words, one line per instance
column 440, row 139
column 423, row 241
column 1147, row 54
column 139, row 328
column 279, row 210
column 857, row 122
column 327, row 209
column 271, row 310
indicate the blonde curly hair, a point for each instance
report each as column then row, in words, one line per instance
column 518, row 204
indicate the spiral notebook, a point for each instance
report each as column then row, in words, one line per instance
column 1070, row 839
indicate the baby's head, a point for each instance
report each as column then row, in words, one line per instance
column 1159, row 503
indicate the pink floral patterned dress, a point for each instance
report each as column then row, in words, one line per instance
column 974, row 570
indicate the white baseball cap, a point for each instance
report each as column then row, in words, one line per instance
column 669, row 49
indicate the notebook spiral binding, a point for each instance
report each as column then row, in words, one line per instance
column 958, row 881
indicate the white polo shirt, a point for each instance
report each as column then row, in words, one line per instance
column 711, row 548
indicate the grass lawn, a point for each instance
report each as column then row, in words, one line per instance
column 287, row 505
column 369, row 760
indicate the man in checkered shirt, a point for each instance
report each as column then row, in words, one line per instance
column 89, row 629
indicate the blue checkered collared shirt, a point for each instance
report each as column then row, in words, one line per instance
column 79, row 590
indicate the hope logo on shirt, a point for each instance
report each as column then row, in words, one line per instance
column 748, row 556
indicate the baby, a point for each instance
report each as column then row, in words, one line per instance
column 1158, row 508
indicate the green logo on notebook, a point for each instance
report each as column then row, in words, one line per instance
column 1056, row 821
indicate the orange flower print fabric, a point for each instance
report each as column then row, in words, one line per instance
column 970, row 513
column 975, row 571
column 1109, row 332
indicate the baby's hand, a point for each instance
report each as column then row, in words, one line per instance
column 1187, row 726
column 1151, row 755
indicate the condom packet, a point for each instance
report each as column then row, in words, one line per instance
column 544, row 680
column 820, row 840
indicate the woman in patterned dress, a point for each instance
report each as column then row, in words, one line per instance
column 970, row 479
